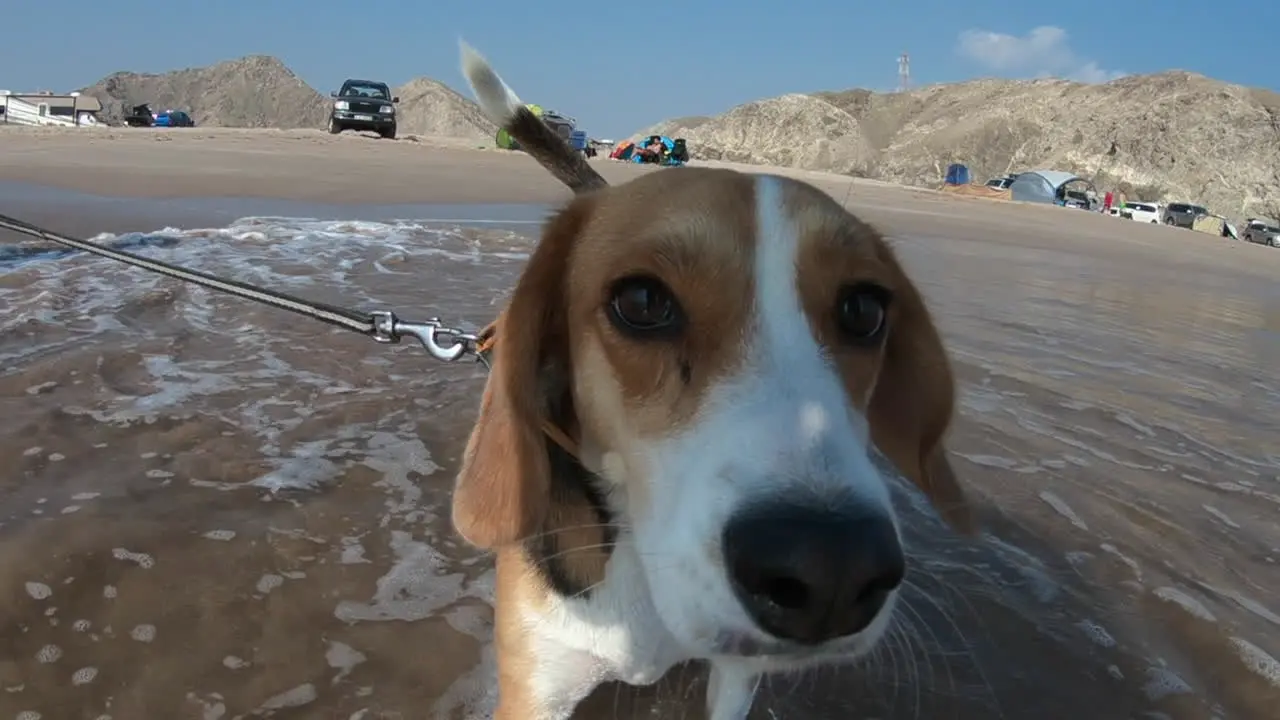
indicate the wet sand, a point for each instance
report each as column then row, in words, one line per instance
column 1118, row 424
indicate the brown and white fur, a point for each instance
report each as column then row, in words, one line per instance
column 755, row 400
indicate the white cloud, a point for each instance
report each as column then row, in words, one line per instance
column 1045, row 51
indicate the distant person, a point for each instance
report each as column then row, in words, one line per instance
column 654, row 148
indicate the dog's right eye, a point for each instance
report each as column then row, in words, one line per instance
column 643, row 307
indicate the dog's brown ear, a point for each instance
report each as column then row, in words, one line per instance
column 913, row 401
column 502, row 494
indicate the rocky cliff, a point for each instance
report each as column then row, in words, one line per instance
column 1170, row 136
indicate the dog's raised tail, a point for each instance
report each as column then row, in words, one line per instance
column 503, row 107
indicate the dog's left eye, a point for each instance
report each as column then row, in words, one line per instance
column 862, row 312
column 644, row 306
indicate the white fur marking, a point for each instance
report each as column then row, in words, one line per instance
column 786, row 344
column 498, row 101
column 813, row 422
column 781, row 428
column 611, row 634
column 786, row 338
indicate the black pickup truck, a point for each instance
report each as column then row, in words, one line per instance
column 364, row 105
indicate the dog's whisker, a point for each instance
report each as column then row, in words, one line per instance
column 554, row 531
column 928, row 649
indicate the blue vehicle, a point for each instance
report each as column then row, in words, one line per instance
column 174, row 118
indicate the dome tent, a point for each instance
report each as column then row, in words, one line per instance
column 957, row 174
column 1043, row 186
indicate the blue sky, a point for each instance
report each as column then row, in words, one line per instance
column 619, row 67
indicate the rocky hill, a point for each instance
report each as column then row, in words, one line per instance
column 254, row 91
column 1171, row 136
column 260, row 91
column 428, row 107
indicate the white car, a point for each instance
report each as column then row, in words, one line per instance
column 1141, row 212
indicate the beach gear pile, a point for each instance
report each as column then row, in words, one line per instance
column 656, row 149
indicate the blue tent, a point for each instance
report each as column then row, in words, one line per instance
column 1044, row 186
column 957, row 174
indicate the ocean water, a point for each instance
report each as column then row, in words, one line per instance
column 219, row 510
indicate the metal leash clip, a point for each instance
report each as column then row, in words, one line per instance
column 387, row 328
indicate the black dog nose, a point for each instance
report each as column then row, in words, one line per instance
column 812, row 575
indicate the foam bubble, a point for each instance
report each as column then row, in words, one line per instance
column 231, row 662
column 142, row 560
column 1258, row 661
column 223, row 535
column 39, row 590
column 992, row 461
column 143, row 633
column 343, row 658
column 352, row 551
column 49, row 654
column 84, row 676
column 1130, row 562
column 1163, row 682
column 304, row 472
column 1221, row 516
column 1194, row 607
column 1062, row 508
column 1245, row 602
column 295, row 697
column 1096, row 633
column 413, row 589
column 474, row 694
column 269, row 582
column 213, row 709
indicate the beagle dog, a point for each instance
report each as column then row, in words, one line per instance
column 672, row 456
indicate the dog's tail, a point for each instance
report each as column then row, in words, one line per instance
column 501, row 105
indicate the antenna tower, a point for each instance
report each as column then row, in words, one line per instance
column 904, row 72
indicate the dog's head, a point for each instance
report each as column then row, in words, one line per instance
column 726, row 348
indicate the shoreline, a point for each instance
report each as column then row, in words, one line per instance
column 83, row 182
column 84, row 215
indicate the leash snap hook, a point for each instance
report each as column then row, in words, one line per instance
column 387, row 328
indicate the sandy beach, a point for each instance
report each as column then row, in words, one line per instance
column 218, row 512
column 359, row 169
column 287, row 164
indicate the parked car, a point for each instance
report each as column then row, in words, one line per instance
column 364, row 105
column 1141, row 212
column 174, row 118
column 1000, row 183
column 1263, row 232
column 1183, row 215
column 1079, row 199
column 140, row 116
